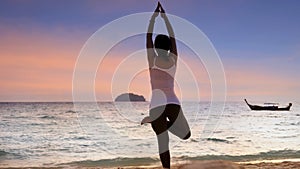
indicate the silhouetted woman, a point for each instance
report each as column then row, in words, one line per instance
column 165, row 110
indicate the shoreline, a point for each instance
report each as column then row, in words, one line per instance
column 270, row 161
column 190, row 164
column 224, row 164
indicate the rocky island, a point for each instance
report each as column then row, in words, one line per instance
column 130, row 97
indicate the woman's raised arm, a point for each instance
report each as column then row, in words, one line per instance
column 170, row 30
column 149, row 41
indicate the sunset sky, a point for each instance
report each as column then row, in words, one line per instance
column 257, row 41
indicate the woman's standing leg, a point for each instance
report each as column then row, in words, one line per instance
column 163, row 145
column 159, row 125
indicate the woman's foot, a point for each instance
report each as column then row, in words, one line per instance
column 146, row 120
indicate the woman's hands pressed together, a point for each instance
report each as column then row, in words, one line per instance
column 159, row 9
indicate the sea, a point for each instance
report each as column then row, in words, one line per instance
column 109, row 134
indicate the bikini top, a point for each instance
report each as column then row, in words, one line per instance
column 171, row 71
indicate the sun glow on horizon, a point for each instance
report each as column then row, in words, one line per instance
column 39, row 48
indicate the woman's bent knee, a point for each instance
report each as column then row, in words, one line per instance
column 187, row 136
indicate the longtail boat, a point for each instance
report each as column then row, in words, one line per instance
column 272, row 107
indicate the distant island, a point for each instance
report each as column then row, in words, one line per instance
column 130, row 97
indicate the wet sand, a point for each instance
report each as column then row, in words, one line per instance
column 219, row 164
column 210, row 164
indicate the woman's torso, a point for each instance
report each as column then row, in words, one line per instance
column 162, row 75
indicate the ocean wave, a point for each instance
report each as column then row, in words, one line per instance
column 3, row 153
column 80, row 138
column 296, row 124
column 70, row 111
column 193, row 140
column 113, row 162
column 218, row 140
column 270, row 155
column 9, row 155
column 47, row 117
column 288, row 136
column 288, row 124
